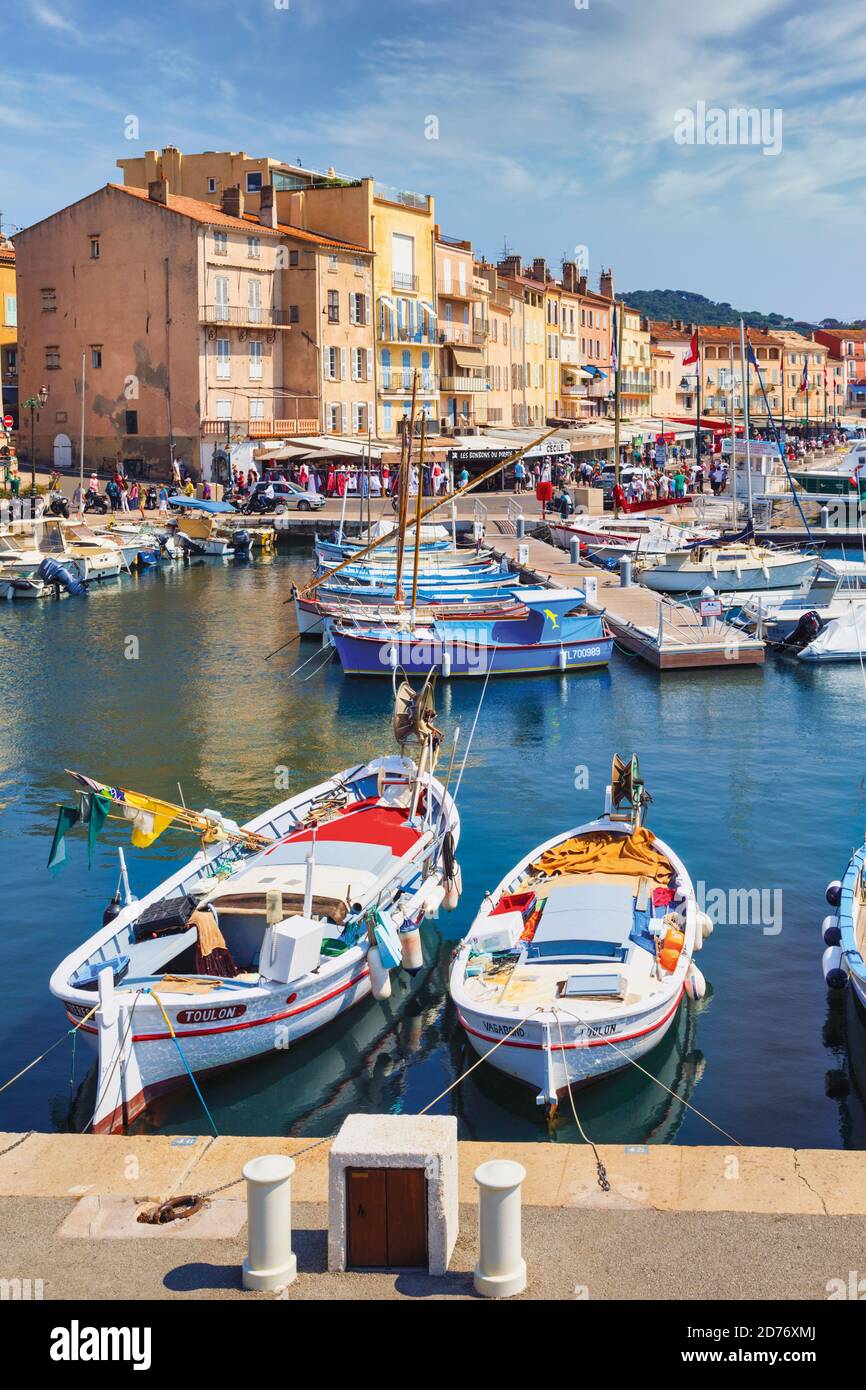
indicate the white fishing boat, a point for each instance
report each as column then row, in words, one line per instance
column 609, row 538
column 271, row 930
column 315, row 616
column 576, row 963
column 844, row 929
column 76, row 550
column 735, row 567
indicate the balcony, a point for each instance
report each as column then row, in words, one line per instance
column 393, row 334
column 400, row 379
column 456, row 333
column 452, row 289
column 462, row 383
column 244, row 317
column 401, row 281
column 257, row 429
column 419, row 202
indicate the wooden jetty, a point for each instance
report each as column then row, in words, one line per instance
column 667, row 634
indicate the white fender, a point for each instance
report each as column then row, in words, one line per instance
column 696, row 985
column 446, row 664
column 453, row 889
column 411, row 953
column 835, row 974
column 379, row 977
column 830, row 930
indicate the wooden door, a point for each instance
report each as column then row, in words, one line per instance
column 386, row 1210
column 406, row 1218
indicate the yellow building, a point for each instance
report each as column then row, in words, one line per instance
column 8, row 332
column 461, row 307
column 815, row 403
column 529, row 346
column 635, row 386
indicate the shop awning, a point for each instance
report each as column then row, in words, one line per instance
column 594, row 372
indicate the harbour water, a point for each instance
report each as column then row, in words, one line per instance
column 757, row 781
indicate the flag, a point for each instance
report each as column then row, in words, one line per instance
column 692, row 355
column 66, row 818
column 804, row 379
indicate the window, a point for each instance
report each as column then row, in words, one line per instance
column 131, row 422
column 388, row 417
column 333, row 306
column 293, row 258
column 96, row 358
column 254, row 301
column 461, row 276
column 332, row 262
column 52, row 358
column 220, row 243
column 49, row 301
column 94, row 248
column 359, row 308
column 256, row 360
column 211, row 185
column 402, row 261
column 446, row 277
column 294, row 313
column 257, row 408
column 221, row 298
column 334, row 418
column 223, row 359
column 224, row 410
column 254, row 247
column 10, row 310
column 331, row 363
column 359, row 417
column 254, row 183
column 359, row 265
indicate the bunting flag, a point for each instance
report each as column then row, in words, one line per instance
column 147, row 826
column 693, row 352
column 67, row 817
column 95, row 808
column 804, row 379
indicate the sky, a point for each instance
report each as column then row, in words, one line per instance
column 555, row 124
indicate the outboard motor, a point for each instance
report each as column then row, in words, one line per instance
column 60, row 576
column 807, row 629
column 242, row 545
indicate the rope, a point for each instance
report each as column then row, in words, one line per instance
column 69, row 1033
column 10, row 1147
column 176, row 1041
column 470, row 1070
column 601, row 1171
column 114, row 1065
column 609, row 1043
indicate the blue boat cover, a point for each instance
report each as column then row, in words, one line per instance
column 198, row 504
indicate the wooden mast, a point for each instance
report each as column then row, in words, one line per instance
column 418, row 505
column 405, row 471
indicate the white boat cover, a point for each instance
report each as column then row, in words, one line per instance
column 843, row 639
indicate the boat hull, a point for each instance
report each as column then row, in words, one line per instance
column 453, row 657
column 751, row 578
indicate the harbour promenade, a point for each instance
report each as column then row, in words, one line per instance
column 679, row 1222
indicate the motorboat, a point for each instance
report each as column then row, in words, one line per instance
column 556, row 634
column 735, row 567
column 840, row 638
column 576, row 963
column 846, row 476
column 77, row 552
column 837, row 587
column 606, row 539
column 271, row 930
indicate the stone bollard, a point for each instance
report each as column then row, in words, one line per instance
column 521, row 528
column 574, row 549
column 501, row 1268
column 825, row 516
column 625, row 572
column 270, row 1263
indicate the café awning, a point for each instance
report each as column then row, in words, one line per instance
column 468, row 357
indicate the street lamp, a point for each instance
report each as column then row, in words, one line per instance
column 34, row 403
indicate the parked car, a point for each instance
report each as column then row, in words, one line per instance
column 287, row 497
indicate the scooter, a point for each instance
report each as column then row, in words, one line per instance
column 96, row 502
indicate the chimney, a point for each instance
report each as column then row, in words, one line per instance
column 157, row 191
column 539, row 269
column 581, row 285
column 510, row 265
column 569, row 276
column 233, row 201
column 268, row 206
column 605, row 284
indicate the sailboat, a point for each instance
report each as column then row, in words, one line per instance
column 270, row 930
column 576, row 963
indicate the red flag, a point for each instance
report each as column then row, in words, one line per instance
column 693, row 350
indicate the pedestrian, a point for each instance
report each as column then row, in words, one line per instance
column 519, row 475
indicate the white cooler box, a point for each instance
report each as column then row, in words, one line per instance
column 498, row 932
column 290, row 949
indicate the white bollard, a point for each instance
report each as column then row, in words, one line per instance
column 270, row 1263
column 501, row 1269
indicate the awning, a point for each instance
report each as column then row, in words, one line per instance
column 198, row 504
column 467, row 356
column 284, row 451
column 595, row 372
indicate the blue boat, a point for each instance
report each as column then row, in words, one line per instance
column 429, row 591
column 844, row 929
column 552, row 637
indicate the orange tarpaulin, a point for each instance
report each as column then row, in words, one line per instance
column 604, row 853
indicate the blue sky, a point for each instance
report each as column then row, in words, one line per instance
column 555, row 122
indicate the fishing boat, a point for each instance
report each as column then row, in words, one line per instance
column 576, row 963
column 608, row 539
column 202, row 528
column 271, row 930
column 316, row 615
column 843, row 930
column 738, row 567
column 556, row 634
column 434, row 540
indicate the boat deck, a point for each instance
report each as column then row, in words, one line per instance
column 666, row 634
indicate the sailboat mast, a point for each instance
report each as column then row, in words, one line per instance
column 418, row 502
column 698, row 398
column 746, row 418
column 405, row 474
column 733, row 458
column 617, row 310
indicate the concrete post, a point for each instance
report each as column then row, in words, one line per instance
column 521, row 528
column 270, row 1263
column 574, row 550
column 625, row 571
column 501, row 1269
column 825, row 516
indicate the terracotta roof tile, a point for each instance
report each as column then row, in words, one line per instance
column 206, row 213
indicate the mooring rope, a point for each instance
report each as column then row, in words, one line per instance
column 601, row 1171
